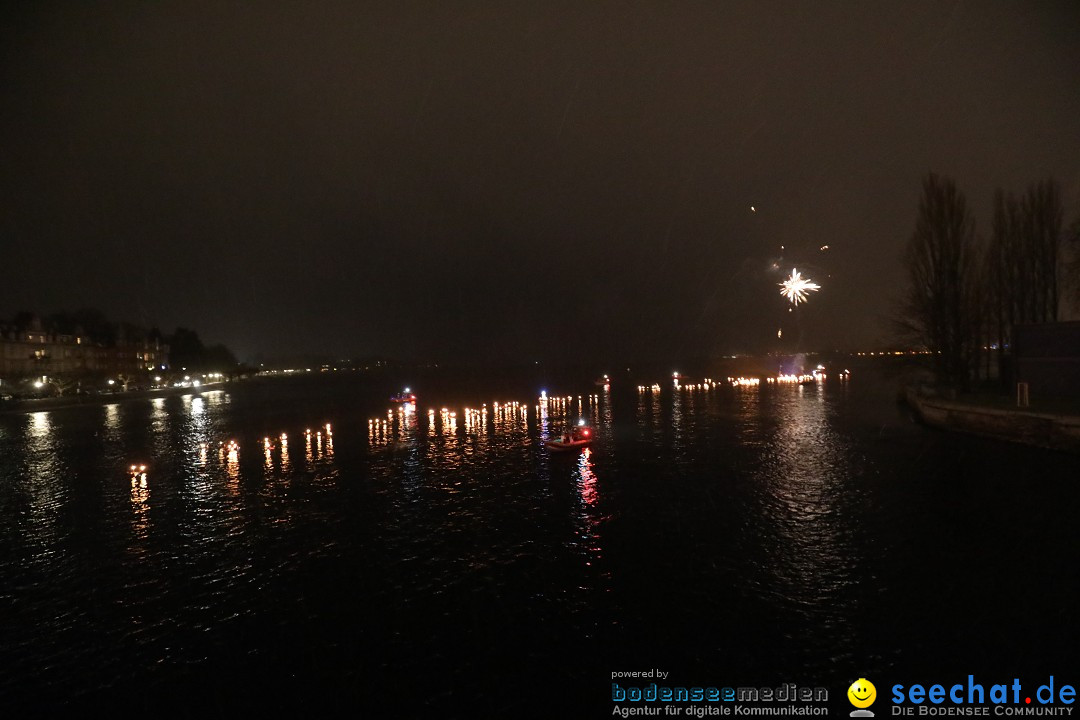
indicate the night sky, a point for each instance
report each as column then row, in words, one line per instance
column 532, row 181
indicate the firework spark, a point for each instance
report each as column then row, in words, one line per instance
column 796, row 287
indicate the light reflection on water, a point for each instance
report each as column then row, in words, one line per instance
column 48, row 494
column 809, row 557
column 589, row 519
column 140, row 506
column 703, row 523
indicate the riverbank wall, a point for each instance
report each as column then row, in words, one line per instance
column 1042, row 429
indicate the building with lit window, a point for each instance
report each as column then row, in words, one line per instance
column 36, row 350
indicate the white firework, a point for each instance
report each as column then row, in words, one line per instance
column 796, row 287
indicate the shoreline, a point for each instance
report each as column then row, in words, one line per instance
column 23, row 407
column 1047, row 430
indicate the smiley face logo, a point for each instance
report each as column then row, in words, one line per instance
column 862, row 693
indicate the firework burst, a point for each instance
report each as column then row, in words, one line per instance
column 796, row 287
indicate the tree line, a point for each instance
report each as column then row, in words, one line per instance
column 965, row 294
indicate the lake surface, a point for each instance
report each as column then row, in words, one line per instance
column 429, row 565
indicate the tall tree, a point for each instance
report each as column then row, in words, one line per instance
column 1043, row 237
column 1004, row 270
column 1071, row 280
column 186, row 350
column 1025, row 263
column 941, row 307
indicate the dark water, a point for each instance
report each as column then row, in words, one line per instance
column 444, row 566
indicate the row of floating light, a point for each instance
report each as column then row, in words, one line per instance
column 230, row 451
column 563, row 403
column 500, row 413
column 883, row 353
column 506, row 410
column 322, row 444
column 710, row 384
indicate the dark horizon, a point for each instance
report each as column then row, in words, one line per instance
column 93, row 327
column 554, row 183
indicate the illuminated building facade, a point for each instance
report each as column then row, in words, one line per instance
column 35, row 350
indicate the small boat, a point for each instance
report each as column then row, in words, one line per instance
column 561, row 444
column 602, row 381
column 576, row 439
column 404, row 397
